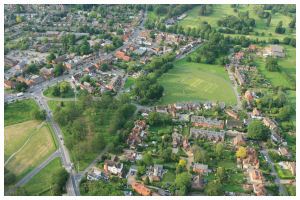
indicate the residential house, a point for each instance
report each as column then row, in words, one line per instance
column 270, row 123
column 36, row 79
column 198, row 182
column 232, row 114
column 289, row 166
column 137, row 134
column 156, row 173
column 252, row 48
column 274, row 50
column 250, row 162
column 185, row 144
column 121, row 55
column 176, row 139
column 9, row 84
column 115, row 83
column 200, row 121
column 96, row 174
column 256, row 114
column 207, row 134
column 240, row 76
column 232, row 123
column 282, row 151
column 200, row 168
column 255, row 176
column 59, row 59
column 259, row 189
column 141, row 189
column 248, row 96
column 46, row 73
column 238, row 140
column 113, row 167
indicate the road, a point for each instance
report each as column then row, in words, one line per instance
column 282, row 190
column 28, row 177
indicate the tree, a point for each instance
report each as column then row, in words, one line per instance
column 58, row 69
column 147, row 181
column 9, row 177
column 272, row 64
column 292, row 24
column 241, row 152
column 199, row 154
column 59, row 180
column 21, row 86
column 219, row 149
column 147, row 159
column 39, row 114
column 50, row 57
column 104, row 67
column 183, row 182
column 279, row 29
column 220, row 174
column 268, row 21
column 284, row 113
column 258, row 131
column 19, row 19
column 213, row 188
column 32, row 68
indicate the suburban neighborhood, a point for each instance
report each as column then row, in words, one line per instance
column 149, row 100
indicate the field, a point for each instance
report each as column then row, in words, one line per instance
column 189, row 81
column 193, row 20
column 287, row 76
column 19, row 111
column 40, row 184
column 27, row 144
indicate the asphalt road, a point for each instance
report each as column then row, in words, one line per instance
column 28, row 177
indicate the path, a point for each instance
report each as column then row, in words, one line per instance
column 31, row 174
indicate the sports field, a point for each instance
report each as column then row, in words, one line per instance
column 193, row 20
column 27, row 144
column 40, row 184
column 189, row 81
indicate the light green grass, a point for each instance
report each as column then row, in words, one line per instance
column 291, row 189
column 287, row 76
column 193, row 20
column 284, row 173
column 189, row 81
column 39, row 146
column 19, row 111
column 40, row 184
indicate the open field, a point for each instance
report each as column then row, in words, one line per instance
column 40, row 184
column 287, row 76
column 19, row 111
column 189, row 81
column 193, row 20
column 31, row 146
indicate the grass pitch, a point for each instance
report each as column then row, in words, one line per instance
column 189, row 81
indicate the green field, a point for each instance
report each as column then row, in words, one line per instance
column 193, row 20
column 40, row 184
column 27, row 144
column 284, row 173
column 19, row 111
column 287, row 76
column 189, row 81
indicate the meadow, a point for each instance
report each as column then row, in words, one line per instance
column 189, row 81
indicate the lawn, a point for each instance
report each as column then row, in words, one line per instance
column 40, row 184
column 291, row 189
column 68, row 94
column 287, row 76
column 193, row 20
column 189, row 81
column 32, row 145
column 283, row 173
column 19, row 111
column 129, row 82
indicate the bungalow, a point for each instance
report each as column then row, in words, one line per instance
column 239, row 140
column 156, row 172
column 232, row 114
column 200, row 121
column 256, row 114
column 141, row 189
column 248, row 96
column 207, row 134
column 137, row 134
column 200, row 168
column 113, row 167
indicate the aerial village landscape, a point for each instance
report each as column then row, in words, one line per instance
column 150, row 100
